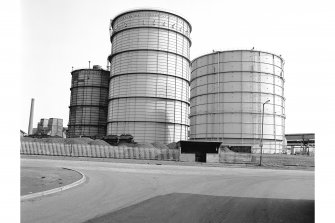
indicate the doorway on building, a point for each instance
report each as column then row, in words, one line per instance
column 200, row 157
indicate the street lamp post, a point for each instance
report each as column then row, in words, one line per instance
column 261, row 143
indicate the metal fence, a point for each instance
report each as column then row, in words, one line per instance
column 122, row 152
column 98, row 151
column 237, row 158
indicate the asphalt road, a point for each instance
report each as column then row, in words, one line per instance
column 118, row 192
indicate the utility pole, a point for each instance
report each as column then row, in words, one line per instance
column 261, row 143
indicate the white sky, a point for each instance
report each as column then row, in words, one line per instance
column 59, row 34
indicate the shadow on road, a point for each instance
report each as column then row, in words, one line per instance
column 183, row 207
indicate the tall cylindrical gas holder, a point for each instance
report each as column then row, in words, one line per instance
column 149, row 78
column 88, row 105
column 228, row 89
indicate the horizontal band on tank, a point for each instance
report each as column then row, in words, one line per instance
column 169, row 75
column 254, row 51
column 237, row 61
column 258, row 103
column 170, row 99
column 91, row 125
column 242, row 123
column 223, row 92
column 232, row 102
column 147, row 27
column 90, row 69
column 94, row 86
column 242, row 112
column 99, row 106
column 151, row 10
column 173, row 123
column 225, row 72
column 155, row 50
column 222, row 82
column 239, row 133
column 215, row 139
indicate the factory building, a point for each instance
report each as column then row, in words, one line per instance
column 149, row 78
column 88, row 105
column 50, row 127
column 228, row 91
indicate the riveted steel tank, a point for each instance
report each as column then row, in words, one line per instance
column 89, row 103
column 228, row 89
column 149, row 78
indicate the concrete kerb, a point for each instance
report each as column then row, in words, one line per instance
column 55, row 190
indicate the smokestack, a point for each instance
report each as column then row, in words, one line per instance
column 30, row 127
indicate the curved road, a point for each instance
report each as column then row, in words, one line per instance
column 119, row 192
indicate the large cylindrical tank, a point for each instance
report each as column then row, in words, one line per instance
column 228, row 89
column 89, row 103
column 149, row 79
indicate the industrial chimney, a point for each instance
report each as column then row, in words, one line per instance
column 30, row 127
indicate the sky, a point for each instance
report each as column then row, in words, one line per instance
column 57, row 35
